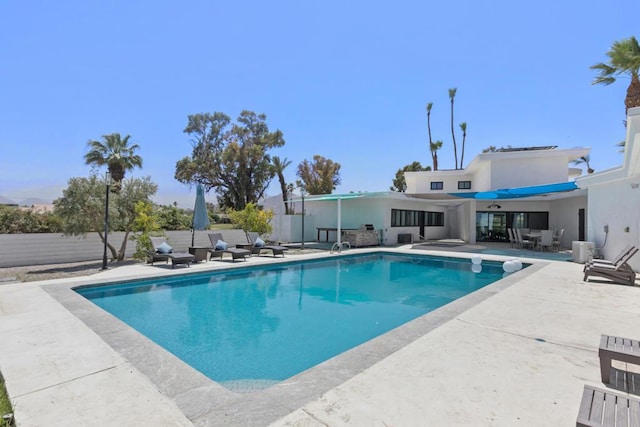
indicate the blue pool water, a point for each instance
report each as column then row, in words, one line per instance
column 268, row 323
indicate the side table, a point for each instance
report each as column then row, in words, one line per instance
column 200, row 253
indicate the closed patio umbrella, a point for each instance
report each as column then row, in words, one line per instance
column 200, row 214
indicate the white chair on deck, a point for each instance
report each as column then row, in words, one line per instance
column 522, row 241
column 546, row 239
column 557, row 240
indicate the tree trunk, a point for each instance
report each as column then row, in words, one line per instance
column 633, row 94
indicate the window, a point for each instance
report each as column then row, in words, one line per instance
column 436, row 185
column 435, row 219
column 464, row 185
column 406, row 218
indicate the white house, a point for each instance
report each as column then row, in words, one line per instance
column 530, row 187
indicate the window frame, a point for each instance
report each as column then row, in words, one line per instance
column 466, row 185
column 439, row 185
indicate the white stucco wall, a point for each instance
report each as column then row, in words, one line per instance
column 563, row 214
column 527, row 172
column 616, row 204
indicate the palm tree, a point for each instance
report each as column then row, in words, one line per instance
column 463, row 126
column 452, row 95
column 116, row 153
column 432, row 146
column 279, row 166
column 624, row 59
column 586, row 160
column 435, row 146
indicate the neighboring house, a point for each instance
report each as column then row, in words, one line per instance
column 614, row 198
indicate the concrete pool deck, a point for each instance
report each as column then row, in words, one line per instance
column 516, row 352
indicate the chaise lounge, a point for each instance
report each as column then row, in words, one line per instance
column 163, row 252
column 623, row 257
column 256, row 245
column 621, row 273
column 219, row 247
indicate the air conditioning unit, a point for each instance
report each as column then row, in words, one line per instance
column 582, row 252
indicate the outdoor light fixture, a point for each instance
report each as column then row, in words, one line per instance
column 494, row 205
column 302, row 196
column 107, row 178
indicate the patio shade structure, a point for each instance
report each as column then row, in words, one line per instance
column 200, row 214
column 519, row 192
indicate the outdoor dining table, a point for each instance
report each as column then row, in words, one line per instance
column 534, row 237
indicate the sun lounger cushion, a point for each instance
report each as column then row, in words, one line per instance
column 221, row 245
column 164, row 248
column 258, row 243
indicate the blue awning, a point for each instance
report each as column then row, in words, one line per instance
column 519, row 192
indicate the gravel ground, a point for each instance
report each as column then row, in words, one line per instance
column 53, row 271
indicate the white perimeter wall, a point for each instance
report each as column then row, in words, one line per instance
column 617, row 205
column 52, row 248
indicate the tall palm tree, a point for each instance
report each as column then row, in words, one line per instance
column 434, row 147
column 452, row 95
column 463, row 126
column 115, row 152
column 279, row 166
column 624, row 59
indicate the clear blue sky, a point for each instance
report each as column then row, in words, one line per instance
column 348, row 80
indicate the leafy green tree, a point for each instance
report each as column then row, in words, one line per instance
column 145, row 224
column 233, row 158
column 624, row 60
column 115, row 152
column 463, row 127
column 251, row 218
column 173, row 218
column 452, row 95
column 280, row 166
column 82, row 204
column 320, row 177
column 15, row 220
column 399, row 183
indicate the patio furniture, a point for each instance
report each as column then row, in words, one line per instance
column 621, row 273
column 163, row 252
column 616, row 348
column 557, row 239
column 522, row 241
column 546, row 240
column 513, row 241
column 201, row 253
column 606, row 408
column 624, row 256
column 256, row 249
column 218, row 250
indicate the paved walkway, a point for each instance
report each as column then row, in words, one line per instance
column 519, row 355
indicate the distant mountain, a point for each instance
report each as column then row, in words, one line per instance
column 34, row 201
column 5, row 201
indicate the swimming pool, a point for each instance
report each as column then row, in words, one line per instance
column 252, row 327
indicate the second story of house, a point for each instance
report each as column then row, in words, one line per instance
column 503, row 168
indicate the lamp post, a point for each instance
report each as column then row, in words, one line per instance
column 107, row 178
column 302, row 195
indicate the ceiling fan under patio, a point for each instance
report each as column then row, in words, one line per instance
column 494, row 205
